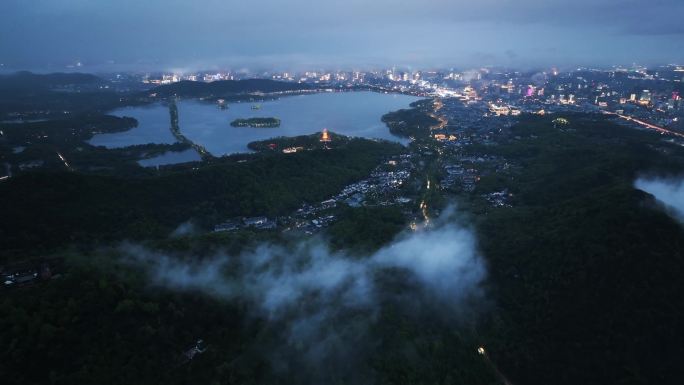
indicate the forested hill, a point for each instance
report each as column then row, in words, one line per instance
column 53, row 209
column 38, row 96
column 586, row 268
column 226, row 87
column 25, row 81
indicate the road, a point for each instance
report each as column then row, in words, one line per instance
column 645, row 124
column 8, row 172
column 483, row 353
column 442, row 120
column 63, row 160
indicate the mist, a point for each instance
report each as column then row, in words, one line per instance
column 184, row 229
column 670, row 192
column 325, row 302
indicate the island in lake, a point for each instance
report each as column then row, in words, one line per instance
column 256, row 122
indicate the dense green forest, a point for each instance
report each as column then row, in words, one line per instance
column 94, row 325
column 26, row 95
column 585, row 270
column 306, row 142
column 102, row 321
column 69, row 130
column 43, row 141
column 27, row 82
column 53, row 104
column 411, row 122
column 52, row 209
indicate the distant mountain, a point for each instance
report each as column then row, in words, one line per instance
column 226, row 87
column 29, row 81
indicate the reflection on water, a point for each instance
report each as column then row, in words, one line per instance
column 153, row 127
column 171, row 157
column 346, row 113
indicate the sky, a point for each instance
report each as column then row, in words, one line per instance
column 337, row 34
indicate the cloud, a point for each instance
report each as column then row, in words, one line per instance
column 443, row 259
column 324, row 302
column 330, row 33
column 670, row 192
column 184, row 229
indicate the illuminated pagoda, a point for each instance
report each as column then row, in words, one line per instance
column 325, row 137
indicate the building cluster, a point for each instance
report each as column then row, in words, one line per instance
column 498, row 198
column 381, row 188
column 469, row 123
column 260, row 223
column 652, row 94
column 463, row 172
column 383, row 185
column 28, row 272
column 194, row 351
column 458, row 176
column 311, row 219
column 168, row 78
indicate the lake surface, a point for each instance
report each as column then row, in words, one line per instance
column 171, row 157
column 154, row 122
column 346, row 113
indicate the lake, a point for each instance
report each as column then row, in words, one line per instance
column 171, row 157
column 154, row 124
column 346, row 113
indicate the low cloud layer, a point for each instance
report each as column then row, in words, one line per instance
column 443, row 260
column 269, row 33
column 668, row 191
column 312, row 291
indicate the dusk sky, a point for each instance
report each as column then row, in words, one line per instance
column 206, row 34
